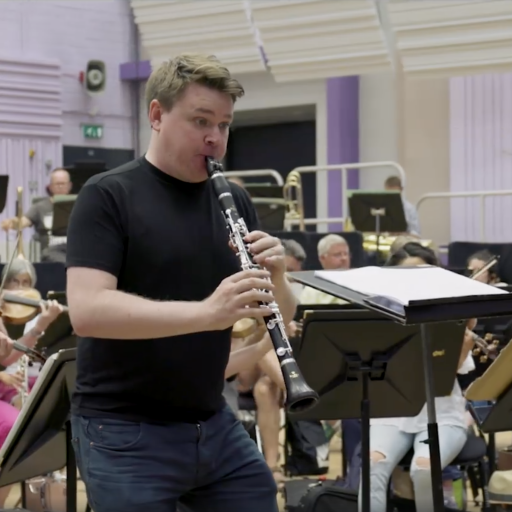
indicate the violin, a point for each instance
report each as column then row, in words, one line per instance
column 484, row 349
column 18, row 307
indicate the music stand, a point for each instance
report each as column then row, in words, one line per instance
column 62, row 207
column 364, row 365
column 494, row 387
column 40, row 440
column 426, row 313
column 379, row 212
column 58, row 336
column 4, row 185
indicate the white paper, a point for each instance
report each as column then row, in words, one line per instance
column 408, row 284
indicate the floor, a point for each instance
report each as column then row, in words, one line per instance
column 502, row 440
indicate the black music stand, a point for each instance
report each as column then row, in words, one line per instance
column 62, row 208
column 4, row 186
column 427, row 313
column 379, row 212
column 58, row 336
column 40, row 441
column 365, row 366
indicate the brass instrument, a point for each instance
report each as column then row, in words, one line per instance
column 386, row 241
column 294, row 201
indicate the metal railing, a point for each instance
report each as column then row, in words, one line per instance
column 256, row 173
column 481, row 194
column 344, row 168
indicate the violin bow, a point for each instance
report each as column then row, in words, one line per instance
column 30, row 352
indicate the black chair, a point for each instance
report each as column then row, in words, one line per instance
column 472, row 459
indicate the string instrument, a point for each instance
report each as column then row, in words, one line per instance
column 488, row 346
column 477, row 273
column 485, row 348
column 299, row 396
column 18, row 307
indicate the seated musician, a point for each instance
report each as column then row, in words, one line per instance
column 21, row 274
column 40, row 217
column 477, row 261
column 334, row 254
column 394, row 183
column 392, row 438
column 295, row 256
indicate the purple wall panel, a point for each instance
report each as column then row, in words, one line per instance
column 342, row 139
column 481, row 155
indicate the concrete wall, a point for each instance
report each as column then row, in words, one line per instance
column 407, row 121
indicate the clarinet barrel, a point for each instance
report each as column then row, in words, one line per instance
column 299, row 396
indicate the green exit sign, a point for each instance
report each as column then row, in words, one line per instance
column 92, row 131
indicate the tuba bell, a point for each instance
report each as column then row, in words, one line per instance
column 294, row 202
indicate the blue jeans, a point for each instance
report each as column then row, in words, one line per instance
column 211, row 466
column 393, row 444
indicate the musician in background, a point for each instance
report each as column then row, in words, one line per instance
column 21, row 274
column 392, row 438
column 40, row 217
column 153, row 291
column 295, row 257
column 477, row 261
column 334, row 254
column 411, row 214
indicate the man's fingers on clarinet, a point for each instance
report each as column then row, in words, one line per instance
column 247, row 298
column 247, row 274
column 253, row 284
column 259, row 312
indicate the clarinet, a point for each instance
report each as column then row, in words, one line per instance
column 299, row 396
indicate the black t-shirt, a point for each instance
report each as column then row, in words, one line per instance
column 163, row 239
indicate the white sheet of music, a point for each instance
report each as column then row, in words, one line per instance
column 408, row 284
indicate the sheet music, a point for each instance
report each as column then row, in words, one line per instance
column 408, row 284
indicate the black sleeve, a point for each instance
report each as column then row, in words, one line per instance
column 95, row 231
column 245, row 207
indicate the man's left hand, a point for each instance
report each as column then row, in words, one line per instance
column 267, row 251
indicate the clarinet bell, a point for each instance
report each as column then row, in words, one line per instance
column 300, row 397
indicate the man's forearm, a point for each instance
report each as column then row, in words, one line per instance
column 285, row 298
column 116, row 315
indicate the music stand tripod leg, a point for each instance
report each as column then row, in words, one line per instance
column 71, row 472
column 433, row 431
column 365, row 442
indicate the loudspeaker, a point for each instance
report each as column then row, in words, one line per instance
column 95, row 77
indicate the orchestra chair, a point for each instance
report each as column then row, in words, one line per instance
column 472, row 460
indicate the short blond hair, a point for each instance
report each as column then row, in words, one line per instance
column 168, row 82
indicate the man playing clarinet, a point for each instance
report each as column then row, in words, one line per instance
column 153, row 290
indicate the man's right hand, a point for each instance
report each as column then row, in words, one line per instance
column 237, row 296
